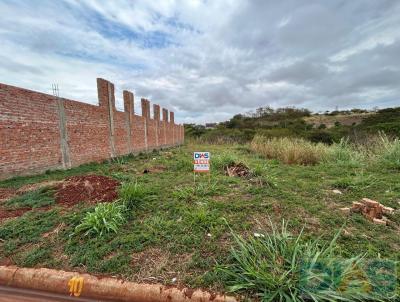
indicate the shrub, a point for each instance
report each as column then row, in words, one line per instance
column 133, row 194
column 222, row 160
column 389, row 155
column 106, row 217
column 280, row 267
column 343, row 153
column 183, row 163
column 318, row 136
column 289, row 150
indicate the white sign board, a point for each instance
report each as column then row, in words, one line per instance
column 201, row 161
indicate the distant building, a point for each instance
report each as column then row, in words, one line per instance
column 211, row 125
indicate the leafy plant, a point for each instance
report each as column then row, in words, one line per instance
column 278, row 266
column 106, row 217
column 133, row 194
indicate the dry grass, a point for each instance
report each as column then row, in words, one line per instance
column 289, row 150
column 377, row 149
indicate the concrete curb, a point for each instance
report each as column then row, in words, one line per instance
column 101, row 288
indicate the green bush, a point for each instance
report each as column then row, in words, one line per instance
column 183, row 163
column 319, row 136
column 343, row 153
column 133, row 194
column 106, row 217
column 221, row 160
column 277, row 266
column 389, row 156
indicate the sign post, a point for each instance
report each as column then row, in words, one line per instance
column 201, row 163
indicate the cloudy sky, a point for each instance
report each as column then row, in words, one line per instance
column 208, row 60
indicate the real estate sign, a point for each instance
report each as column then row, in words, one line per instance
column 201, row 161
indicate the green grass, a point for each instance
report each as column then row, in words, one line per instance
column 279, row 266
column 176, row 227
column 133, row 194
column 33, row 199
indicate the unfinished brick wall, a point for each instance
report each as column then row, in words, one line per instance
column 39, row 132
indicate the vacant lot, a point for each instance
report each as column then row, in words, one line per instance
column 180, row 229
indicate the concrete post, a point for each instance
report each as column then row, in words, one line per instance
column 105, row 91
column 129, row 111
column 65, row 155
column 156, row 114
column 165, row 120
column 146, row 116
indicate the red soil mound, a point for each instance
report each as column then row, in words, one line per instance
column 88, row 188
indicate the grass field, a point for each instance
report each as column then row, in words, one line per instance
column 178, row 228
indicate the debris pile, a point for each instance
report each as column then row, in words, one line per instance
column 237, row 169
column 371, row 209
column 88, row 188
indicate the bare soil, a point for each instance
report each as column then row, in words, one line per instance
column 88, row 188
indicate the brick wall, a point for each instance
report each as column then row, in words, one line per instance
column 39, row 132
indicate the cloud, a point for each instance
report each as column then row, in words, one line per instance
column 207, row 60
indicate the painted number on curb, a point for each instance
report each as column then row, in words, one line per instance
column 75, row 286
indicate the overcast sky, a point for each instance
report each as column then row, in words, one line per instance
column 207, row 60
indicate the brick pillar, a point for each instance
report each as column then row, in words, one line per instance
column 105, row 91
column 165, row 120
column 156, row 113
column 146, row 115
column 129, row 111
column 172, row 126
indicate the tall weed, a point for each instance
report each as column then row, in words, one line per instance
column 289, row 150
column 133, row 194
column 343, row 153
column 389, row 153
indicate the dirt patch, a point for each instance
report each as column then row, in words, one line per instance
column 155, row 265
column 36, row 186
column 4, row 213
column 237, row 169
column 7, row 193
column 11, row 213
column 89, row 188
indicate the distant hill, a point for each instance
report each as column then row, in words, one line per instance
column 294, row 122
column 330, row 120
